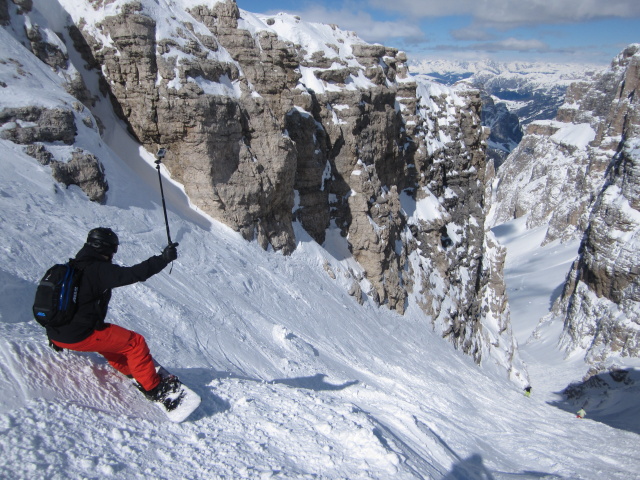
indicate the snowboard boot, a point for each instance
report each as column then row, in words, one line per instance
column 167, row 392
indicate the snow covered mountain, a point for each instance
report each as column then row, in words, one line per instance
column 575, row 177
column 533, row 91
column 264, row 132
column 528, row 91
column 298, row 379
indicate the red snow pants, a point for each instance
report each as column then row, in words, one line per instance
column 125, row 350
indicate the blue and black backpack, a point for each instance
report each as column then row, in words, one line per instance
column 57, row 295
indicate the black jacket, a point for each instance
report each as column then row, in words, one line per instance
column 98, row 278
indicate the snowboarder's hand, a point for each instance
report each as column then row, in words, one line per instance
column 170, row 253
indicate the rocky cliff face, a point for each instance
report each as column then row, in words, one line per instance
column 560, row 166
column 39, row 128
column 267, row 127
column 578, row 175
column 601, row 300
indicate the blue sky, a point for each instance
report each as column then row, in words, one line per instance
column 559, row 31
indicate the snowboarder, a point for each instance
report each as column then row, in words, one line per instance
column 527, row 391
column 125, row 350
column 581, row 413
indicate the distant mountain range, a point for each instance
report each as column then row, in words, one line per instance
column 514, row 94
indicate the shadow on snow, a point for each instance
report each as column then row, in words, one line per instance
column 200, row 379
column 612, row 398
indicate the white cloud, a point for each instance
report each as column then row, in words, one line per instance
column 506, row 14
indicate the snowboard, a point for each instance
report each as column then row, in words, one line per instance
column 180, row 404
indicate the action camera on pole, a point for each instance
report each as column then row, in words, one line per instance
column 159, row 157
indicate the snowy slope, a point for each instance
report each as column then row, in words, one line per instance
column 297, row 379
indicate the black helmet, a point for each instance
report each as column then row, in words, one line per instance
column 103, row 240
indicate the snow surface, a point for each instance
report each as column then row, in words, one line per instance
column 425, row 209
column 332, row 42
column 316, row 37
column 297, row 380
column 570, row 134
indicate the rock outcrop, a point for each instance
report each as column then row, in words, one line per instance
column 601, row 300
column 35, row 127
column 4, row 13
column 28, row 125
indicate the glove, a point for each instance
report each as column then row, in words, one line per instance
column 170, row 253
